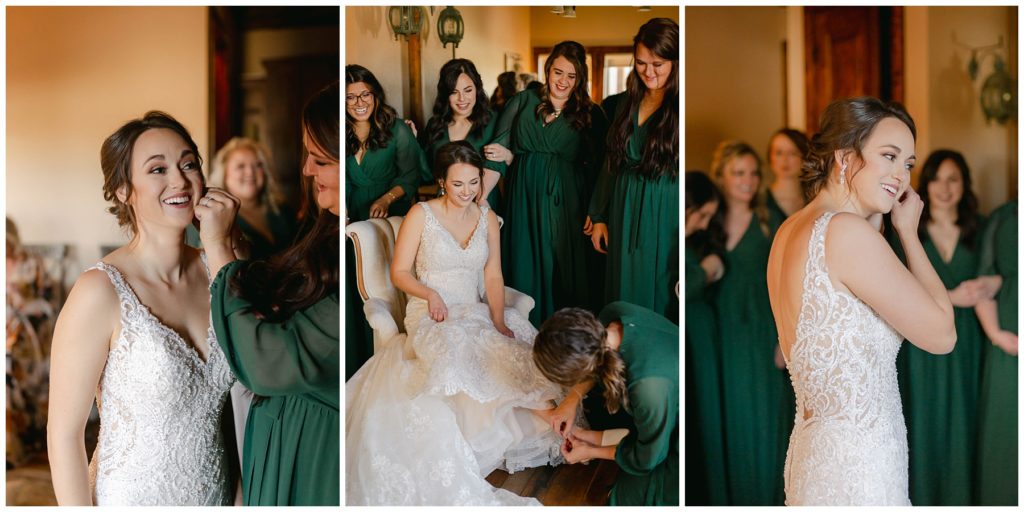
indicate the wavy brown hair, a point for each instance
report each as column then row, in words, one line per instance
column 308, row 271
column 846, row 124
column 570, row 348
column 382, row 119
column 577, row 107
column 661, row 149
column 967, row 217
column 443, row 114
column 726, row 152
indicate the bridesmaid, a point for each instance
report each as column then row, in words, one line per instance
column 555, row 135
column 461, row 113
column 635, row 209
column 277, row 322
column 940, row 392
column 786, row 152
column 705, row 461
column 634, row 352
column 997, row 407
column 758, row 400
column 383, row 166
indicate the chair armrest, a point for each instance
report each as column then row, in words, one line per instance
column 519, row 300
column 378, row 315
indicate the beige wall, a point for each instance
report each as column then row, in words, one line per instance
column 489, row 33
column 734, row 78
column 592, row 26
column 266, row 44
column 955, row 119
column 74, row 75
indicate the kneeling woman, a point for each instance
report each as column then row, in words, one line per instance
column 634, row 352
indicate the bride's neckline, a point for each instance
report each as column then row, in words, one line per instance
column 472, row 234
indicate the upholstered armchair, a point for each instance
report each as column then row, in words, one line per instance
column 383, row 304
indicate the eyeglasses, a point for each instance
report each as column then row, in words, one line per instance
column 366, row 96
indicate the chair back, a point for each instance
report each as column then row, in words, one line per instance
column 374, row 243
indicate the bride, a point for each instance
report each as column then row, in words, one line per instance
column 843, row 303
column 426, row 429
column 135, row 334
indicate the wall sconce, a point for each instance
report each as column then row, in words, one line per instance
column 557, row 9
column 644, row 8
column 570, row 12
column 999, row 91
column 406, row 21
column 450, row 28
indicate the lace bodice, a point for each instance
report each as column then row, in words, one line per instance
column 849, row 443
column 160, row 406
column 455, row 272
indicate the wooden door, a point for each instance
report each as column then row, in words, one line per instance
column 851, row 51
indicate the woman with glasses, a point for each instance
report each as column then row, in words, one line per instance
column 383, row 166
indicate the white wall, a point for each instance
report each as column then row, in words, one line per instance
column 74, row 75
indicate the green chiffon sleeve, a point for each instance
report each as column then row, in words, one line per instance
column 987, row 246
column 410, row 161
column 696, row 278
column 507, row 120
column 298, row 356
column 653, row 401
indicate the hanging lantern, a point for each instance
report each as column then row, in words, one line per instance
column 406, row 21
column 450, row 27
column 999, row 95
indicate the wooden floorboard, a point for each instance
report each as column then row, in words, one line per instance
column 572, row 484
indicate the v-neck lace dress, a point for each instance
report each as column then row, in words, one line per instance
column 160, row 404
column 428, row 421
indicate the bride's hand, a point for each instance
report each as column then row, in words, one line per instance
column 436, row 308
column 906, row 213
column 215, row 212
column 500, row 326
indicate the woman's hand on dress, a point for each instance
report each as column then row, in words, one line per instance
column 906, row 213
column 436, row 307
column 599, row 237
column 412, row 126
column 497, row 153
column 379, row 208
column 713, row 267
column 503, row 329
column 588, row 226
column 989, row 285
column 1007, row 341
column 562, row 419
column 967, row 294
column 216, row 212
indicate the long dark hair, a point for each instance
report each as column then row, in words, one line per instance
column 570, row 348
column 966, row 209
column 577, row 107
column 116, row 161
column 308, row 271
column 443, row 114
column 661, row 149
column 700, row 190
column 381, row 120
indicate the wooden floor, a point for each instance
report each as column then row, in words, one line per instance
column 568, row 484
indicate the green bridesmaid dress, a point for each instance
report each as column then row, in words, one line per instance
column 705, row 449
column 542, row 241
column 758, row 401
column 400, row 163
column 648, row 457
column 642, row 216
column 478, row 141
column 290, row 453
column 997, row 406
column 940, row 397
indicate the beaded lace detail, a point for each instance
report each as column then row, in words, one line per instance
column 160, row 404
column 849, row 441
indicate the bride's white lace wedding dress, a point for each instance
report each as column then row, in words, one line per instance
column 849, row 442
column 427, row 422
column 160, row 440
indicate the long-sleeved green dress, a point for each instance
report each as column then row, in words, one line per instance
column 478, row 141
column 997, row 406
column 642, row 216
column 542, row 241
column 940, row 397
column 758, row 401
column 648, row 456
column 400, row 163
column 292, row 435
column 705, row 448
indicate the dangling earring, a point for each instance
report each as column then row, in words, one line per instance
column 842, row 174
column 442, row 190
